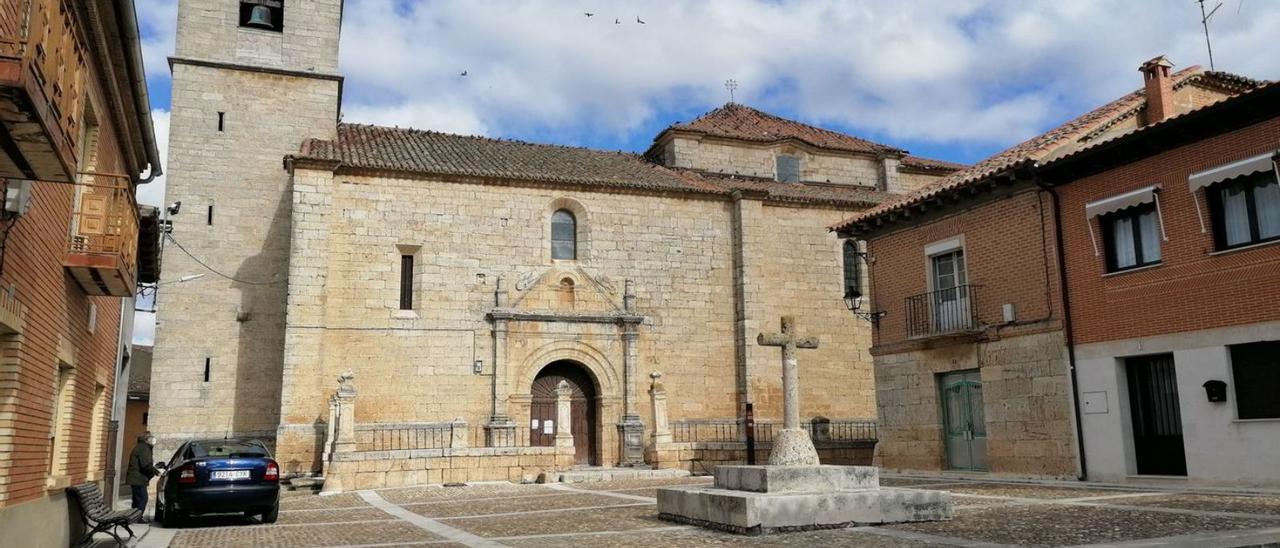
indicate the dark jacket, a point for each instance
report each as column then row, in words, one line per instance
column 141, row 469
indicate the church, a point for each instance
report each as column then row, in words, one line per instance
column 429, row 305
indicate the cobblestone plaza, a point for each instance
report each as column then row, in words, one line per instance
column 622, row 513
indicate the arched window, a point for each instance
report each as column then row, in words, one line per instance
column 852, row 274
column 564, row 235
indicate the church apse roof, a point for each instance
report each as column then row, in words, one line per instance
column 411, row 151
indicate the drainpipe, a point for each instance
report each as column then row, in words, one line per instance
column 137, row 74
column 1066, row 321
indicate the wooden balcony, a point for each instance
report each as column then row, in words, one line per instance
column 102, row 251
column 42, row 89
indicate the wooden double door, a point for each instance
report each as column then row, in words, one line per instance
column 582, row 409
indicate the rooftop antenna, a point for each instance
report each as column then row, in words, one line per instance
column 732, row 86
column 1204, row 20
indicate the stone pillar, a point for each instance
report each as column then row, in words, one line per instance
column 345, row 434
column 658, row 397
column 564, row 434
column 342, row 426
column 330, row 429
column 501, row 430
column 630, row 427
column 458, row 432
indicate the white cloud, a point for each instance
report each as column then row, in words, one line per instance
column 157, row 20
column 934, row 71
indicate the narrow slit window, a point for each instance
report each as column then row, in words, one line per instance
column 852, row 274
column 564, row 235
column 406, row 282
column 222, row 120
column 207, row 363
column 210, row 219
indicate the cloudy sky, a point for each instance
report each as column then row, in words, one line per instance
column 950, row 79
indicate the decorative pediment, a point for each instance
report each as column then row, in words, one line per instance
column 567, row 294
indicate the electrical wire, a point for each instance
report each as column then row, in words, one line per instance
column 211, row 269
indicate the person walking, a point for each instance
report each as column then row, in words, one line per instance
column 141, row 469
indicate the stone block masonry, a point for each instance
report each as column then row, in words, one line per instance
column 242, row 100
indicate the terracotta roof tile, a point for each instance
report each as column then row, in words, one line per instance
column 410, row 150
column 1048, row 143
column 429, row 152
column 737, row 121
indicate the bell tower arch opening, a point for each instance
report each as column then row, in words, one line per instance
column 584, row 406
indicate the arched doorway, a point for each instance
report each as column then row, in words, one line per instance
column 582, row 406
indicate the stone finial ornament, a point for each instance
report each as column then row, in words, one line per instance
column 345, row 384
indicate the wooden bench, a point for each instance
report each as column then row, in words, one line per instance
column 98, row 516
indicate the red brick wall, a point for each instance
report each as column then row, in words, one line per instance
column 56, row 308
column 1192, row 289
column 1008, row 252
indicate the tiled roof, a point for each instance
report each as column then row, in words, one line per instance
column 928, row 164
column 1047, row 143
column 741, row 122
column 842, row 195
column 411, row 150
column 415, row 151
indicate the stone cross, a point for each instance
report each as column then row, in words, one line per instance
column 792, row 446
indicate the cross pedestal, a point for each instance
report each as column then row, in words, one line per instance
column 794, row 492
column 792, row 446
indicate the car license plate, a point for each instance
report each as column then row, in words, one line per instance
column 230, row 474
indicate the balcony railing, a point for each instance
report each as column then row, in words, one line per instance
column 43, row 75
column 943, row 312
column 103, row 246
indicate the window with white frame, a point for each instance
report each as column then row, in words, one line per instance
column 1245, row 210
column 1132, row 238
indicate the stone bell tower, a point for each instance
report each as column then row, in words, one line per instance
column 251, row 80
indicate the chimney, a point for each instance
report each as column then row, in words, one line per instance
column 1159, row 88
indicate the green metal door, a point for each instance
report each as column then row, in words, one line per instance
column 963, row 422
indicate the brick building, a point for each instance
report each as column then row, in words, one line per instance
column 972, row 368
column 1173, row 275
column 75, row 137
column 461, row 278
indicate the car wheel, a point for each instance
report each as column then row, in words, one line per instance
column 270, row 515
column 171, row 517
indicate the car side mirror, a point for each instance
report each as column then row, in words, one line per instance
column 161, row 466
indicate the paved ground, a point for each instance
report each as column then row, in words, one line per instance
column 622, row 513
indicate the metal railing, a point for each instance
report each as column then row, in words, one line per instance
column 942, row 312
column 404, row 436
column 731, row 430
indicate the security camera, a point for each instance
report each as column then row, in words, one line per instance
column 174, row 207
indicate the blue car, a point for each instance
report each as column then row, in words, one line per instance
column 219, row 477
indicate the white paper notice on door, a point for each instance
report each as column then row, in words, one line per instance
column 533, row 424
column 548, row 427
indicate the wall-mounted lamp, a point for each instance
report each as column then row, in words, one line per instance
column 854, row 300
column 1216, row 391
column 477, row 367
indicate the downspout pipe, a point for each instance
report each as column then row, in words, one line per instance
column 1066, row 320
column 138, row 75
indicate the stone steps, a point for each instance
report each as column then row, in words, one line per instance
column 610, row 474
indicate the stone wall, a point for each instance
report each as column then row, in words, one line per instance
column 211, row 31
column 1026, row 404
column 236, row 325
column 380, row 469
column 348, row 235
column 757, row 160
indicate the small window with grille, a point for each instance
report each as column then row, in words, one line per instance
column 788, row 168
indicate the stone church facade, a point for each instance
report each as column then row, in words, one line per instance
column 460, row 279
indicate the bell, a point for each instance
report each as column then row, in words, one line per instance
column 260, row 17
